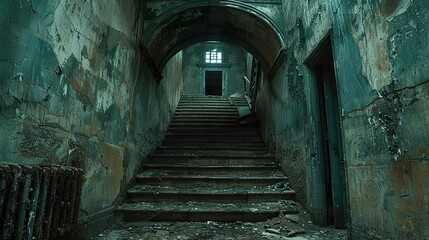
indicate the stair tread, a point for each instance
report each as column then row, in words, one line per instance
column 215, row 141
column 194, row 170
column 209, row 206
column 196, row 156
column 208, row 124
column 216, row 133
column 213, row 147
column 158, row 162
column 209, row 166
column 157, row 175
column 211, row 190
column 232, row 129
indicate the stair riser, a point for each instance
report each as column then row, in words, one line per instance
column 198, row 111
column 219, row 100
column 222, row 198
column 207, row 160
column 204, row 108
column 135, row 216
column 206, row 117
column 200, row 121
column 217, row 126
column 210, row 106
column 196, row 114
column 211, row 172
column 213, row 144
column 203, row 138
column 237, row 130
column 213, row 152
column 192, row 182
column 213, row 133
column 211, row 162
column 204, row 104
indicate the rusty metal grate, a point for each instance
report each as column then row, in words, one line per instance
column 38, row 202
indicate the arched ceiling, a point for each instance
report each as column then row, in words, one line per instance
column 228, row 22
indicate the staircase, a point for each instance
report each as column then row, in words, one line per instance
column 209, row 168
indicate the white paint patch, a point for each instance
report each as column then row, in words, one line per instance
column 19, row 75
column 104, row 100
column 86, row 64
column 73, row 29
column 65, row 90
column 371, row 34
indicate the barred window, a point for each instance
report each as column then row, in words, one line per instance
column 214, row 56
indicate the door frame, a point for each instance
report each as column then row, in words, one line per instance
column 329, row 170
column 203, row 79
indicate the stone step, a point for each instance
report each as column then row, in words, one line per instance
column 240, row 131
column 196, row 113
column 213, row 133
column 148, row 193
column 213, row 143
column 209, row 98
column 204, row 105
column 214, row 125
column 214, row 138
column 234, row 170
column 213, row 150
column 208, row 132
column 207, row 107
column 204, row 211
column 165, row 179
column 193, row 121
column 205, row 117
column 205, row 160
column 197, row 110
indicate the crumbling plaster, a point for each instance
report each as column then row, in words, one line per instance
column 75, row 89
column 382, row 84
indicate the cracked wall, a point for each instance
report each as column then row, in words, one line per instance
column 386, row 132
column 382, row 81
column 233, row 65
column 75, row 90
column 286, row 106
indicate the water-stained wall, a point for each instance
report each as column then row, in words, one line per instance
column 75, row 90
column 384, row 94
column 380, row 54
column 233, row 67
column 286, row 104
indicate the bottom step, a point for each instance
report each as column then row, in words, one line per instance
column 204, row 211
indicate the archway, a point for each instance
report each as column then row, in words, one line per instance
column 230, row 22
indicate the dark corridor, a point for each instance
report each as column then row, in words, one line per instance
column 213, row 83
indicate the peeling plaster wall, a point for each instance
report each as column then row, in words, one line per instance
column 233, row 64
column 386, row 133
column 284, row 105
column 380, row 58
column 74, row 90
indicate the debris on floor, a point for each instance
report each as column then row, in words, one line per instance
column 284, row 227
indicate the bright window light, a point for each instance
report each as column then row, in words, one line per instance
column 214, row 56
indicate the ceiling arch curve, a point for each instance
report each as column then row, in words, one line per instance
column 228, row 21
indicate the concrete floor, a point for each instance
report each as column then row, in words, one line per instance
column 274, row 229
